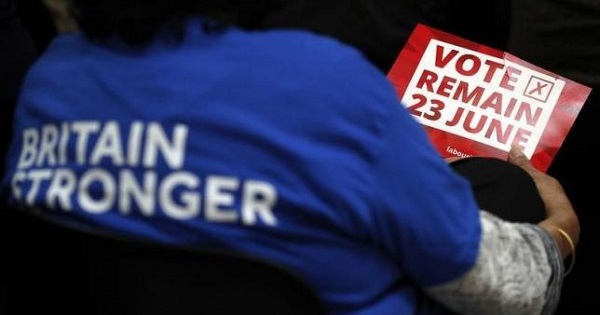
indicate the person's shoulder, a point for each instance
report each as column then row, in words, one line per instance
column 58, row 62
column 313, row 49
column 308, row 41
column 63, row 47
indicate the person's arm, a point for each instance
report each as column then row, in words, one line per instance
column 519, row 267
column 560, row 214
column 467, row 259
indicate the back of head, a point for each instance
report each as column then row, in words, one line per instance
column 137, row 22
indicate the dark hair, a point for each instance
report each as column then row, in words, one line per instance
column 137, row 22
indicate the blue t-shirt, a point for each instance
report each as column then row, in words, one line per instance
column 282, row 144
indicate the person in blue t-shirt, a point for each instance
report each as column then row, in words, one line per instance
column 174, row 122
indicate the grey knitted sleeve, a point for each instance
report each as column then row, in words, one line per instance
column 518, row 272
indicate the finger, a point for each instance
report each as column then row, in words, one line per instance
column 452, row 159
column 517, row 157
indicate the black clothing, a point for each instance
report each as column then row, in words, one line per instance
column 381, row 28
column 563, row 36
column 17, row 53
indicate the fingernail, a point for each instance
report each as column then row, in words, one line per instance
column 515, row 152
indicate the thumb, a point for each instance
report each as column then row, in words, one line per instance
column 518, row 158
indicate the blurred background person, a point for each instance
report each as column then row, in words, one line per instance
column 563, row 36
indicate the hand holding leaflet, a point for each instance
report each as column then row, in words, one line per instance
column 474, row 100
